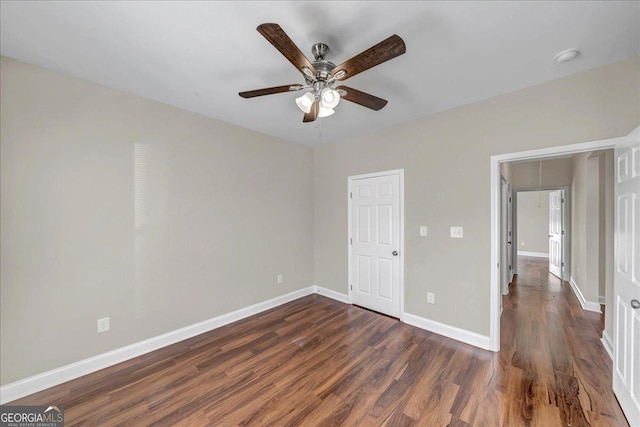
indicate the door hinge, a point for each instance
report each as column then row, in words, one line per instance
column 509, row 198
column 351, row 241
column 509, row 266
column 562, row 232
column 561, row 200
column 351, row 195
column 351, row 287
column 562, row 264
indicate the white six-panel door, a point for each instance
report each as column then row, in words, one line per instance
column 555, row 232
column 375, row 243
column 626, row 327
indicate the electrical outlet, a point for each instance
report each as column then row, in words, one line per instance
column 456, row 232
column 103, row 325
column 431, row 298
column 279, row 278
column 423, row 231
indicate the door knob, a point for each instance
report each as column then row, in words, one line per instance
column 395, row 253
column 635, row 304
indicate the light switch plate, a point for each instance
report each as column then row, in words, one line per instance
column 456, row 232
column 423, row 231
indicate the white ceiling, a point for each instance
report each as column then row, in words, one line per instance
column 199, row 55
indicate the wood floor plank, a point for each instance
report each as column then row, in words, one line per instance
column 434, row 408
column 316, row 361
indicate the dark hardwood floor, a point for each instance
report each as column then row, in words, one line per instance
column 316, row 361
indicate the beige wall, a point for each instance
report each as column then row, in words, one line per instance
column 533, row 221
column 539, row 174
column 505, row 171
column 592, row 214
column 592, row 225
column 113, row 205
column 579, row 223
column 446, row 158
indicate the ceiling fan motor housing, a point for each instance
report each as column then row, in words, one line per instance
column 323, row 70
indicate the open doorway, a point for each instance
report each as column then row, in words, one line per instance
column 500, row 167
column 532, row 212
column 543, row 225
column 573, row 240
column 594, row 213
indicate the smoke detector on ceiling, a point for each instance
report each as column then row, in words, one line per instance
column 567, row 55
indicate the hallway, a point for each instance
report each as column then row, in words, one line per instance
column 558, row 365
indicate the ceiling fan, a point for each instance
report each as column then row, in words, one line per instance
column 321, row 75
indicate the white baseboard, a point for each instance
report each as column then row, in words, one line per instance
column 458, row 334
column 452, row 332
column 57, row 376
column 533, row 254
column 607, row 342
column 586, row 305
column 338, row 296
column 36, row 383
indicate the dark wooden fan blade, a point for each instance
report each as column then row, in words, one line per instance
column 376, row 55
column 270, row 90
column 281, row 41
column 362, row 98
column 312, row 115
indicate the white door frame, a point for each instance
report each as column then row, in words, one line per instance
column 504, row 283
column 495, row 291
column 511, row 259
column 400, row 173
column 507, row 216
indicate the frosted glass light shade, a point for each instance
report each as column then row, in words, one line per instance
column 329, row 98
column 325, row 112
column 305, row 102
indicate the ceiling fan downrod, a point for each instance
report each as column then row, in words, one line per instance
column 319, row 51
column 322, row 66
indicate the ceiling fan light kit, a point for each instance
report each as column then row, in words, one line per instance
column 305, row 102
column 329, row 98
column 321, row 75
column 325, row 112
